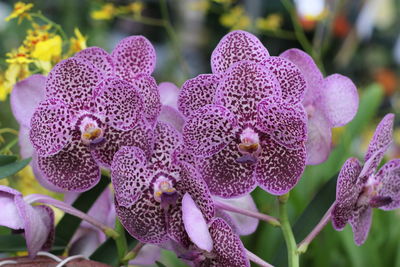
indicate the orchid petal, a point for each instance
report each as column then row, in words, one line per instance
column 195, row 224
column 9, row 211
column 347, row 192
column 289, row 76
column 25, row 97
column 132, row 55
column 319, row 140
column 169, row 94
column 51, row 128
column 382, row 137
column 278, row 168
column 234, row 47
column 389, row 177
column 339, row 99
column 244, row 85
column 361, row 223
column 209, row 130
column 197, row 92
column 99, row 58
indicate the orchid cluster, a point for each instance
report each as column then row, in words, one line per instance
column 184, row 162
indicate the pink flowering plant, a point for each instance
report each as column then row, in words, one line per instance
column 146, row 166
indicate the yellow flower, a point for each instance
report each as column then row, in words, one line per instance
column 236, row 18
column 107, row 12
column 77, row 43
column 270, row 23
column 202, row 5
column 136, row 8
column 20, row 11
column 48, row 50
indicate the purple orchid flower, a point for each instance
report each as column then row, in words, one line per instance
column 246, row 125
column 94, row 105
column 36, row 222
column 330, row 102
column 148, row 191
column 169, row 113
column 214, row 242
column 361, row 188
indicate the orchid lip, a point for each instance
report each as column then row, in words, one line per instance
column 164, row 191
column 249, row 147
column 90, row 128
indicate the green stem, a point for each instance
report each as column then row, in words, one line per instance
column 9, row 145
column 120, row 241
column 300, row 34
column 8, row 130
column 293, row 256
column 173, row 37
column 52, row 23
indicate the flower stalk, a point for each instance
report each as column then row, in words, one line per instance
column 302, row 247
column 263, row 217
column 37, row 198
column 293, row 256
column 257, row 260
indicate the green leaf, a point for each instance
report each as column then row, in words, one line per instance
column 159, row 264
column 69, row 224
column 16, row 242
column 12, row 168
column 7, row 159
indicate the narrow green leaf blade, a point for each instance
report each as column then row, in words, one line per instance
column 12, row 168
column 7, row 159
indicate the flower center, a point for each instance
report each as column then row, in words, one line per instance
column 369, row 195
column 89, row 127
column 249, row 146
column 164, row 191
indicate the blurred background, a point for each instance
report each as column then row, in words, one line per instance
column 358, row 38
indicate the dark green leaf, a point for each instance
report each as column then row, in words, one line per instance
column 7, row 159
column 69, row 224
column 13, row 168
column 16, row 242
column 159, row 264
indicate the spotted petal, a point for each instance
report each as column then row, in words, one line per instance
column 244, row 85
column 132, row 55
column 361, row 223
column 120, row 103
column 197, row 92
column 389, row 176
column 234, row 47
column 50, row 127
column 72, row 169
column 228, row 248
column 73, row 80
column 278, row 168
column 289, row 76
column 319, row 139
column 382, row 137
column 339, row 99
column 209, row 130
column 310, row 71
column 226, row 177
column 141, row 136
column 129, row 175
column 144, row 220
column 99, row 58
column 25, row 97
column 148, row 88
column 347, row 192
column 284, row 122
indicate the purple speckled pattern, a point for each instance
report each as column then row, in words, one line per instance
column 135, row 179
column 209, row 130
column 228, row 248
column 347, row 192
column 244, row 85
column 248, row 126
column 51, row 127
column 99, row 58
column 197, row 92
column 133, row 55
column 360, row 188
column 284, row 122
column 93, row 105
column 234, row 47
column 289, row 76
